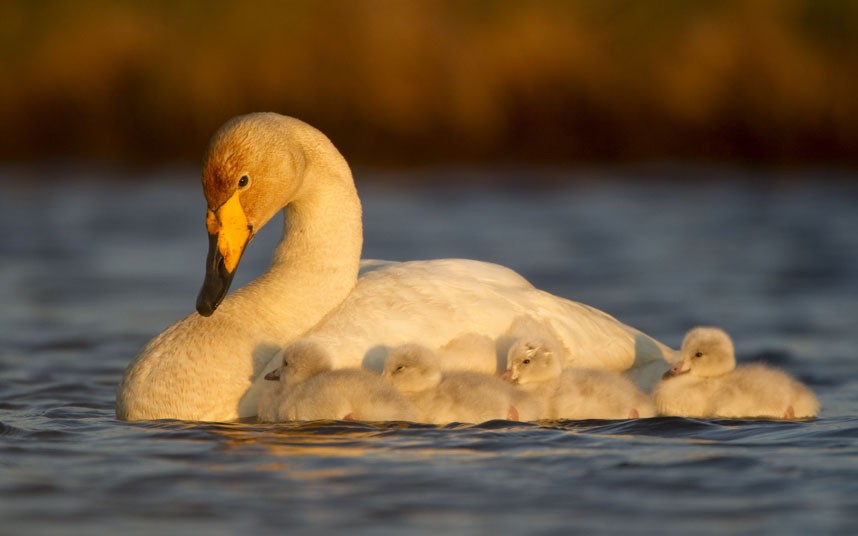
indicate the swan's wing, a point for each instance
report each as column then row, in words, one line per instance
column 432, row 302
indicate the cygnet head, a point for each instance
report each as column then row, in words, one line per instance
column 706, row 352
column 532, row 360
column 301, row 360
column 412, row 368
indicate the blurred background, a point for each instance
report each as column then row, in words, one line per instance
column 410, row 83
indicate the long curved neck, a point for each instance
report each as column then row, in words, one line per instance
column 315, row 266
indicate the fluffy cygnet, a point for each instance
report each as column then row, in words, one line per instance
column 471, row 351
column 452, row 396
column 707, row 383
column 533, row 364
column 310, row 390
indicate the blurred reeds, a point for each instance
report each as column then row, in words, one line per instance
column 400, row 82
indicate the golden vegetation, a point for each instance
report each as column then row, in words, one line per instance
column 417, row 81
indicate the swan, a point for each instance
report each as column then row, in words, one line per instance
column 210, row 365
column 310, row 390
column 707, row 383
column 572, row 393
column 454, row 396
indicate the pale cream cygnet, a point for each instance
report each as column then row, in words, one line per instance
column 470, row 351
column 450, row 396
column 533, row 364
column 707, row 383
column 310, row 390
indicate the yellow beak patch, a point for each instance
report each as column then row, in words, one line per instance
column 229, row 224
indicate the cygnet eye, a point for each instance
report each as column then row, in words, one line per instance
column 698, row 354
column 285, row 364
column 400, row 368
column 242, row 182
column 526, row 362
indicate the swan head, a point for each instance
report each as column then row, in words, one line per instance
column 412, row 368
column 531, row 360
column 254, row 166
column 706, row 352
column 302, row 359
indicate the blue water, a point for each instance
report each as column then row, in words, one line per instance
column 93, row 266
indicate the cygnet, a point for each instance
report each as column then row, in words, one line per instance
column 451, row 396
column 533, row 364
column 707, row 383
column 310, row 390
column 470, row 351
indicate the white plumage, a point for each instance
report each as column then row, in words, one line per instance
column 212, row 368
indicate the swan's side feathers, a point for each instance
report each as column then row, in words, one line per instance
column 185, row 373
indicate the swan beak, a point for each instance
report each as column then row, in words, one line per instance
column 229, row 233
column 273, row 376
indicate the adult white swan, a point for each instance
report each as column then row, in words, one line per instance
column 210, row 365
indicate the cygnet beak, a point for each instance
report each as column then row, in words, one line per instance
column 507, row 376
column 273, row 376
column 676, row 370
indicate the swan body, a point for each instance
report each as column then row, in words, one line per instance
column 310, row 390
column 211, row 364
column 572, row 393
column 453, row 396
column 707, row 383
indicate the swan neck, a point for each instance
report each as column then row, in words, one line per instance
column 315, row 265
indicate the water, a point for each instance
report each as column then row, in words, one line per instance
column 92, row 269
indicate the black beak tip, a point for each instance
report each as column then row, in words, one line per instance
column 215, row 284
column 204, row 306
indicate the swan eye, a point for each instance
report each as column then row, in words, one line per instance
column 242, row 182
column 526, row 362
column 698, row 354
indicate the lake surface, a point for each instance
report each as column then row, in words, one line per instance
column 93, row 267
